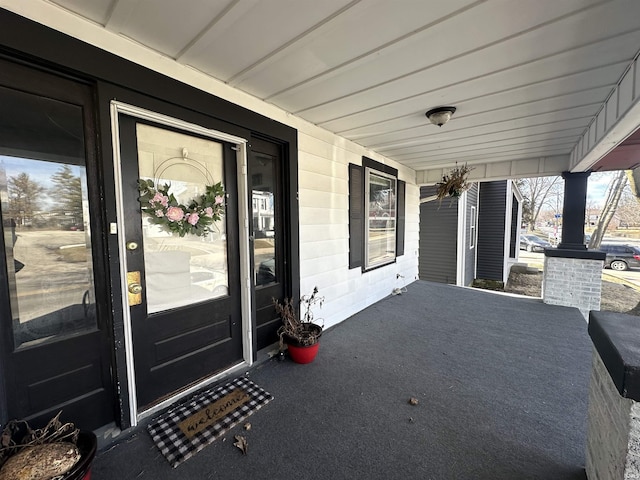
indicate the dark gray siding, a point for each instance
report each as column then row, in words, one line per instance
column 470, row 253
column 491, row 228
column 438, row 238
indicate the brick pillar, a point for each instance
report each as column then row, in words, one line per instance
column 613, row 435
column 573, row 279
column 573, row 275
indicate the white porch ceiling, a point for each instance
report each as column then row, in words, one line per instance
column 529, row 77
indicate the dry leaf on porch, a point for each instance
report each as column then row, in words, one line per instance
column 413, row 401
column 241, row 443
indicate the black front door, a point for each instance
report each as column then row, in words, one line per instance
column 54, row 312
column 186, row 322
column 265, row 174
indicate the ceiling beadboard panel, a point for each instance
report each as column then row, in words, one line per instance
column 515, row 87
column 359, row 32
column 171, row 28
column 471, row 44
column 227, row 50
column 528, row 77
column 97, row 11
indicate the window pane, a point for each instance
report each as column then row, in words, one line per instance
column 45, row 217
column 381, row 215
column 263, row 214
column 180, row 271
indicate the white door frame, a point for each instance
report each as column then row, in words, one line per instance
column 243, row 243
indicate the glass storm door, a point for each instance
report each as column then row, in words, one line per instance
column 187, row 325
column 56, row 350
column 267, row 232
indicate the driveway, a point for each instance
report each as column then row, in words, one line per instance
column 630, row 277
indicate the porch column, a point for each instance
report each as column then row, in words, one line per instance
column 573, row 210
column 572, row 274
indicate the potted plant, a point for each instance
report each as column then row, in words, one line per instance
column 453, row 183
column 302, row 335
column 58, row 450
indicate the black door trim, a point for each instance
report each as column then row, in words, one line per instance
column 121, row 79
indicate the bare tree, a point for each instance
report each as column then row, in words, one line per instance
column 614, row 193
column 628, row 211
column 538, row 192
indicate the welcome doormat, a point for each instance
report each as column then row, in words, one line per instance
column 187, row 429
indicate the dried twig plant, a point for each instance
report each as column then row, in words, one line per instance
column 303, row 331
column 17, row 435
column 454, row 183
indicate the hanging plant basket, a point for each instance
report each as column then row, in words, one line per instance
column 454, row 183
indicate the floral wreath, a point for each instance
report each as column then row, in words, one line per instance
column 195, row 218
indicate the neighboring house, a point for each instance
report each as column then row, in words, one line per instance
column 475, row 236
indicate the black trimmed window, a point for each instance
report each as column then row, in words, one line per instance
column 376, row 215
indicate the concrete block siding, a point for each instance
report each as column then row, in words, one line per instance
column 613, row 440
column 573, row 282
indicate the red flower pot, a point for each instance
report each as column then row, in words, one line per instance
column 304, row 354
column 299, row 352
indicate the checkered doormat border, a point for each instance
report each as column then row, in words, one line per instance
column 178, row 447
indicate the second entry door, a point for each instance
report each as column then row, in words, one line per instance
column 268, row 232
column 188, row 324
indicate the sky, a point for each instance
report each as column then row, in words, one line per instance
column 38, row 170
column 597, row 187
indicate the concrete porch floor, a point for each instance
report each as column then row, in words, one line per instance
column 502, row 384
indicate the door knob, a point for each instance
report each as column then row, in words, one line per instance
column 134, row 288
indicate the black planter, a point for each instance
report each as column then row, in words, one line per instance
column 87, row 444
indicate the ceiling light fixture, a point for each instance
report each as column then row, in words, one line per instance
column 440, row 115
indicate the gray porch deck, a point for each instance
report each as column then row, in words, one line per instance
column 502, row 384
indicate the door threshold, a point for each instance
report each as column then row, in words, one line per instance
column 175, row 398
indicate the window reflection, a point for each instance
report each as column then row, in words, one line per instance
column 47, row 248
column 181, row 271
column 263, row 214
column 381, row 214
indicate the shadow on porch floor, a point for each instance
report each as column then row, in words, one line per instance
column 502, row 384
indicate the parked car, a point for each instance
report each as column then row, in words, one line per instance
column 533, row 243
column 621, row 257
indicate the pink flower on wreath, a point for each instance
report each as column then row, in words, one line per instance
column 193, row 218
column 159, row 213
column 219, row 199
column 208, row 212
column 175, row 214
column 161, row 199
